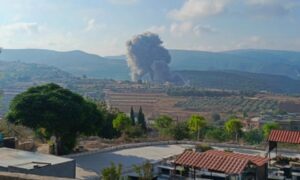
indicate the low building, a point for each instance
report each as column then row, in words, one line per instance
column 253, row 123
column 13, row 160
column 214, row 164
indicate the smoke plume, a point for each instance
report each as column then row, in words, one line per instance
column 147, row 57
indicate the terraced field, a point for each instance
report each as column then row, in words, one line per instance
column 228, row 104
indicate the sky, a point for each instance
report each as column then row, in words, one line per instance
column 103, row 26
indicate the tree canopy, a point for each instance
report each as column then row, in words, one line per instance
column 121, row 122
column 196, row 123
column 141, row 119
column 268, row 127
column 163, row 122
column 233, row 126
column 59, row 111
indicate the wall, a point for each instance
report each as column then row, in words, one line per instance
column 19, row 176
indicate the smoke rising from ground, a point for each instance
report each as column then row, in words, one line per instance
column 147, row 57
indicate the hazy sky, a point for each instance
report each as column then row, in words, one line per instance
column 104, row 26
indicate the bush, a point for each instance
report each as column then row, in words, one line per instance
column 203, row 147
column 254, row 136
column 217, row 134
column 134, row 131
column 180, row 131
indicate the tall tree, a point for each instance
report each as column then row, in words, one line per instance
column 141, row 119
column 163, row 124
column 59, row 111
column 106, row 129
column 121, row 122
column 132, row 116
column 234, row 127
column 196, row 123
column 268, row 127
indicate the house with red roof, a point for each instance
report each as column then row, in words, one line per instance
column 215, row 164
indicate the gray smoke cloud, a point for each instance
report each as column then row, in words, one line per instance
column 147, row 57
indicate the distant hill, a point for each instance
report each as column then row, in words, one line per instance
column 16, row 74
column 79, row 63
column 285, row 63
column 243, row 81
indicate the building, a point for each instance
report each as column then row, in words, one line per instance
column 13, row 160
column 291, row 167
column 253, row 123
column 214, row 164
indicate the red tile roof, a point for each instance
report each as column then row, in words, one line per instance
column 257, row 160
column 229, row 163
column 285, row 136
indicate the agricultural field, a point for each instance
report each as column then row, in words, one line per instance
column 181, row 107
column 234, row 104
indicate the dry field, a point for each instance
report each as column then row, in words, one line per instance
column 181, row 108
column 153, row 104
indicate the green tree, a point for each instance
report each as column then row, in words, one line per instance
column 121, row 122
column 132, row 116
column 144, row 171
column 180, row 131
column 234, row 127
column 254, row 136
column 59, row 111
column 106, row 129
column 196, row 124
column 217, row 134
column 163, row 124
column 112, row 173
column 268, row 127
column 141, row 119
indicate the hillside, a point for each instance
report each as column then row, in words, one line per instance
column 13, row 74
column 285, row 63
column 79, row 63
column 235, row 80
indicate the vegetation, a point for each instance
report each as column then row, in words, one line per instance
column 132, row 116
column 234, row 128
column 180, row 131
column 217, row 134
column 163, row 124
column 192, row 91
column 141, row 119
column 121, row 122
column 144, row 171
column 196, row 124
column 268, row 127
column 60, row 112
column 233, row 104
column 203, row 147
column 242, row 81
column 112, row 173
column 106, row 129
column 254, row 136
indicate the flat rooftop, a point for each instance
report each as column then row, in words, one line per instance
column 28, row 160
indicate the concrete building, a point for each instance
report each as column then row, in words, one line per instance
column 13, row 160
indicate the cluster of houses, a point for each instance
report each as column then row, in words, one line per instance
column 289, row 121
column 211, row 164
column 227, row 165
